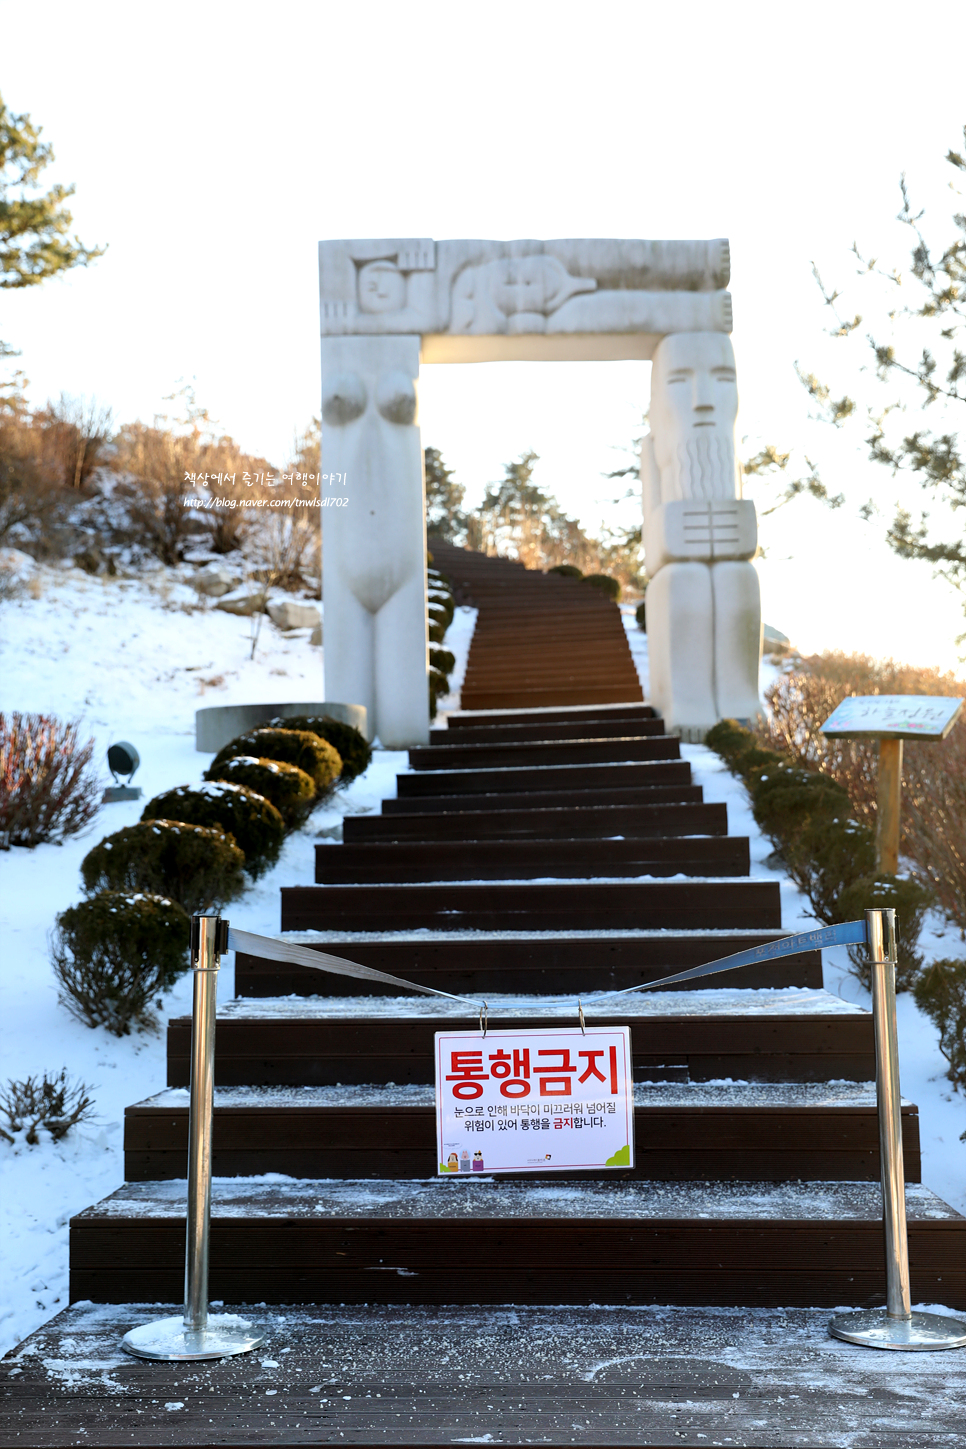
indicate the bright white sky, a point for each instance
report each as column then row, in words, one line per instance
column 213, row 144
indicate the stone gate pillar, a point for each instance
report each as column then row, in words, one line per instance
column 703, row 601
column 374, row 546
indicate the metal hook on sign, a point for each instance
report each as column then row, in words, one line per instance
column 484, row 1012
column 580, row 1017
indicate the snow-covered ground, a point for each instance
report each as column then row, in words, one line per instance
column 133, row 659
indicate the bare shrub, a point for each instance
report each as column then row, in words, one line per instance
column 48, row 789
column 162, row 465
column 934, row 775
column 934, row 818
column 30, row 500
column 74, row 435
column 152, row 464
column 55, row 1102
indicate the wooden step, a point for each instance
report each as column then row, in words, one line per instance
column 552, row 752
column 633, row 822
column 571, row 800
column 471, row 719
column 391, row 1374
column 523, row 780
column 754, row 1036
column 511, row 906
column 775, row 1133
column 422, row 861
column 598, row 729
column 510, row 697
column 523, row 962
column 485, row 1241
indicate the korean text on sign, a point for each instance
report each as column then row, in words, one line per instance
column 534, row 1101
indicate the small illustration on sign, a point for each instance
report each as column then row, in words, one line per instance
column 504, row 1099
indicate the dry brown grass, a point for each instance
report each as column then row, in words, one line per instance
column 934, row 775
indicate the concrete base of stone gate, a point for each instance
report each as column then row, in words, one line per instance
column 219, row 723
column 389, row 1375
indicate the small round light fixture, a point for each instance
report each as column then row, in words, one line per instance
column 122, row 761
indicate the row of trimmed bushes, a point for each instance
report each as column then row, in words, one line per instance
column 606, row 583
column 831, row 858
column 441, row 610
column 829, row 855
column 192, row 850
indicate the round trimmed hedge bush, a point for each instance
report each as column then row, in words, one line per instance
column 302, row 748
column 441, row 611
column 787, row 798
column 113, row 954
column 198, row 866
column 256, row 825
column 569, row 571
column 910, row 900
column 442, row 659
column 640, row 614
column 739, row 748
column 607, row 585
column 353, row 747
column 438, row 686
column 289, row 789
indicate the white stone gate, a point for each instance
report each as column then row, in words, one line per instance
column 387, row 305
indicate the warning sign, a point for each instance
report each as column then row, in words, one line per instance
column 534, row 1101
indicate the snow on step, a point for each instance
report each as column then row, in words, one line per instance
column 275, row 1196
column 723, row 1094
column 784, row 1001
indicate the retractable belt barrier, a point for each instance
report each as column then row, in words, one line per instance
column 200, row 1335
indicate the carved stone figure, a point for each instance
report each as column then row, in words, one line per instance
column 374, row 547
column 703, row 602
column 512, row 294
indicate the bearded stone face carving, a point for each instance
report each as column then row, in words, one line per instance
column 703, row 604
column 694, row 404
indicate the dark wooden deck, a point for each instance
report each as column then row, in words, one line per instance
column 374, row 1376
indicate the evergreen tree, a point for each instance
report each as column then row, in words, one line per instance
column 444, row 499
column 35, row 240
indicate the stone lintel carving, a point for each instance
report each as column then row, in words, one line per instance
column 579, row 297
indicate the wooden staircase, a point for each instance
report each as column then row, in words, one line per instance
column 540, row 639
column 757, row 1151
column 525, row 860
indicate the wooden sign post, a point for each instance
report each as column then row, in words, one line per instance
column 890, row 719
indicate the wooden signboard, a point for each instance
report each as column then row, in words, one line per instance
column 534, row 1101
column 893, row 717
column 890, row 719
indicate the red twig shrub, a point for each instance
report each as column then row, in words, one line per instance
column 933, row 775
column 48, row 789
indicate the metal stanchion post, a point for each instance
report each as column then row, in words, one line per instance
column 198, row 1334
column 894, row 1326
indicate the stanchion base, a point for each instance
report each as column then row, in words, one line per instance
column 873, row 1328
column 226, row 1335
